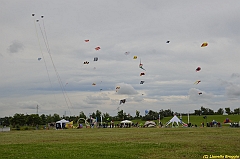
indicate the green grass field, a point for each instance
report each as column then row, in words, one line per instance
column 124, row 143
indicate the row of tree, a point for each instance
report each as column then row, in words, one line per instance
column 35, row 119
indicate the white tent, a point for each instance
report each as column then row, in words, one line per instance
column 126, row 122
column 149, row 124
column 61, row 123
column 176, row 120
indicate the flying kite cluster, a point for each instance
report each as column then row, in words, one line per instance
column 135, row 57
column 199, row 68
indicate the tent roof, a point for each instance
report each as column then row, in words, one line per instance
column 62, row 121
column 126, row 121
column 174, row 119
column 149, row 123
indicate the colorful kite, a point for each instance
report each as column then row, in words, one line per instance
column 141, row 66
column 134, row 57
column 94, row 84
column 198, row 69
column 85, row 62
column 198, row 81
column 117, row 88
column 122, row 101
column 204, row 44
column 97, row 48
column 86, row 41
column 141, row 74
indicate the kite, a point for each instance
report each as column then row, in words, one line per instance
column 85, row 62
column 100, row 89
column 86, row 41
column 168, row 42
column 146, row 112
column 33, row 14
column 198, row 69
column 42, row 16
column 39, row 58
column 117, row 88
column 134, row 57
column 199, row 93
column 97, row 48
column 141, row 66
column 127, row 53
column 94, row 84
column 95, row 58
column 204, row 44
column 141, row 74
column 122, row 101
column 142, row 82
column 198, row 81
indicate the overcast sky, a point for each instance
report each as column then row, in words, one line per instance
column 60, row 83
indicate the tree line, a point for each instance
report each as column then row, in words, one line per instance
column 36, row 119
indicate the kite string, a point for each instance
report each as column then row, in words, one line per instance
column 55, row 69
column 43, row 56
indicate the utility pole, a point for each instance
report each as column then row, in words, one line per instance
column 37, row 109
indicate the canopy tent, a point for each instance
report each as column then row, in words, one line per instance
column 149, row 124
column 61, row 124
column 176, row 120
column 126, row 122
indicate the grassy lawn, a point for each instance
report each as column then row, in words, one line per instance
column 120, row 143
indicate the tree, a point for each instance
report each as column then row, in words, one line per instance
column 237, row 111
column 18, row 119
column 56, row 117
column 98, row 115
column 228, row 111
column 197, row 112
column 43, row 119
column 120, row 115
column 93, row 115
column 33, row 119
column 82, row 115
column 106, row 116
column 49, row 118
column 137, row 114
column 220, row 111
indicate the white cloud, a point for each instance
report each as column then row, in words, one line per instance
column 126, row 89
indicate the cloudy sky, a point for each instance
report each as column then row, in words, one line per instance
column 60, row 83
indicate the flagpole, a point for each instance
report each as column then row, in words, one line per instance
column 159, row 118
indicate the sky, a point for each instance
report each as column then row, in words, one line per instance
column 61, row 83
